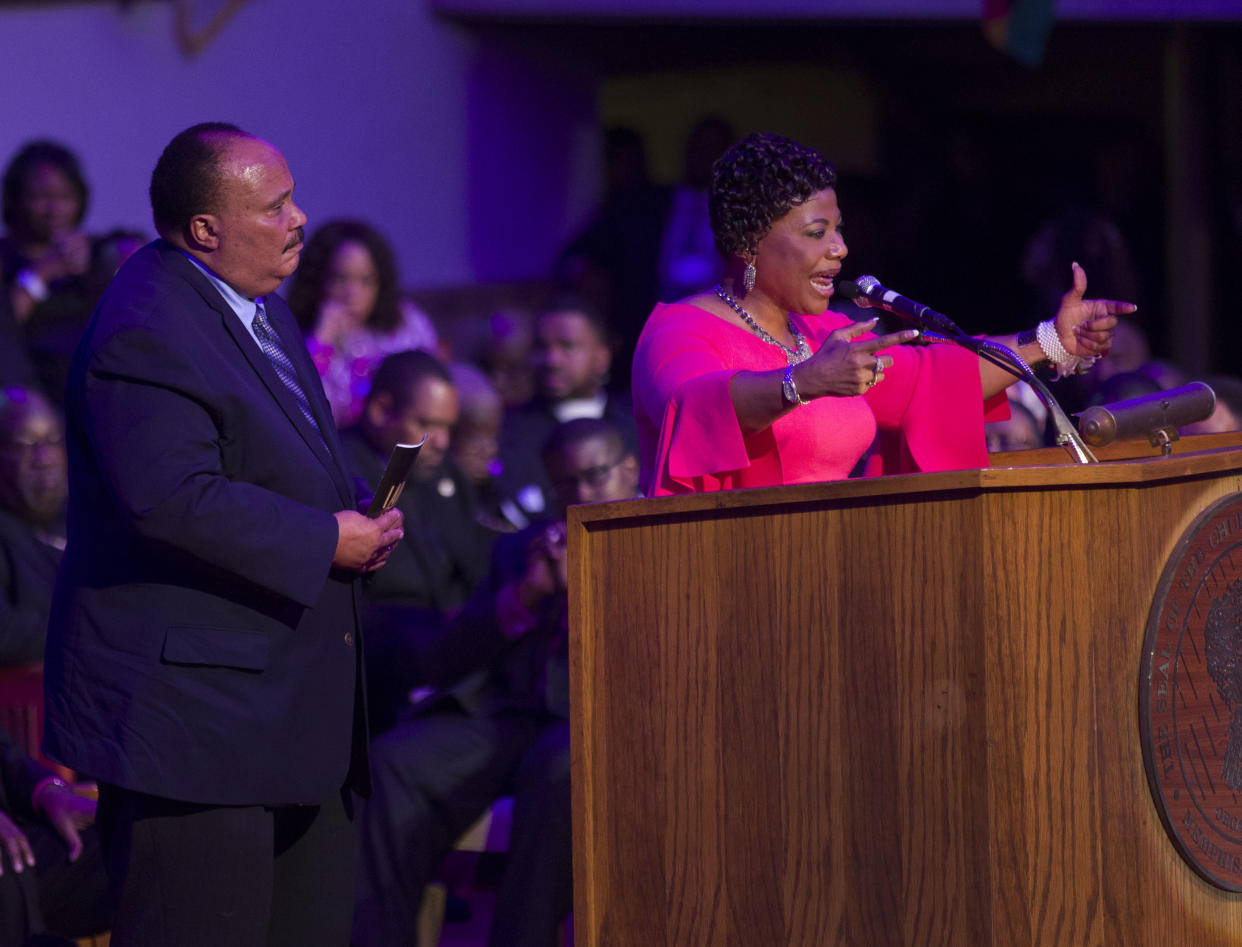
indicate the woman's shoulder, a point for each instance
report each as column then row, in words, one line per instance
column 692, row 307
column 414, row 331
column 679, row 322
column 702, row 312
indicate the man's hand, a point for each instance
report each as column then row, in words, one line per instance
column 14, row 846
column 362, row 544
column 69, row 813
column 333, row 322
column 547, row 565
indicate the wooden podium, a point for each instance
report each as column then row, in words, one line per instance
column 881, row 712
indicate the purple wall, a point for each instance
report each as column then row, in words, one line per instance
column 832, row 9
column 458, row 151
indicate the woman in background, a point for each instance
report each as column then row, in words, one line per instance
column 347, row 299
column 52, row 272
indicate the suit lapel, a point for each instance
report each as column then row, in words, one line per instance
column 291, row 338
column 282, row 320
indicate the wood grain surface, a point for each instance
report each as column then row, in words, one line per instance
column 895, row 711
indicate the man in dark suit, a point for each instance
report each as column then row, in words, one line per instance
column 412, row 395
column 32, row 529
column 447, row 550
column 572, row 360
column 500, row 725
column 202, row 659
column 52, row 880
column 16, row 367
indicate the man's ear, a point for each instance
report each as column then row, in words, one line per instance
column 204, row 231
column 379, row 409
column 602, row 361
column 630, row 470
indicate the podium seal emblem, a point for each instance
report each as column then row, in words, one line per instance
column 1190, row 694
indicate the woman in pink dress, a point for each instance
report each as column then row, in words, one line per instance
column 347, row 299
column 757, row 383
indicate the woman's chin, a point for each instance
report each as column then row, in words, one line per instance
column 815, row 305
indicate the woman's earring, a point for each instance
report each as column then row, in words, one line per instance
column 748, row 276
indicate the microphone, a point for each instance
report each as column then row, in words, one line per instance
column 866, row 291
column 1156, row 416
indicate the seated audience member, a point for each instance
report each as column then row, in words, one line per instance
column 16, row 367
column 504, row 357
column 114, row 248
column 1129, row 354
column 572, row 359
column 498, row 727
column 1020, row 431
column 347, row 298
column 503, row 506
column 475, row 444
column 689, row 262
column 52, row 271
column 446, row 550
column 1228, row 413
column 1122, row 386
column 589, row 461
column 615, row 261
column 52, row 880
column 1164, row 373
column 33, row 486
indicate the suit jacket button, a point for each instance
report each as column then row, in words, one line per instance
column 349, row 638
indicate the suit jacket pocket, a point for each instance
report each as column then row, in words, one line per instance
column 217, row 647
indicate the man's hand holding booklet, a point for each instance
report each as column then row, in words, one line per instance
column 400, row 463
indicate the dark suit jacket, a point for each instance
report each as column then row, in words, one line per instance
column 532, row 672
column 527, row 426
column 19, row 775
column 27, row 576
column 200, row 646
column 481, row 670
column 16, row 366
column 446, row 550
column 432, row 571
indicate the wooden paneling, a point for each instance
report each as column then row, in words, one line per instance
column 898, row 711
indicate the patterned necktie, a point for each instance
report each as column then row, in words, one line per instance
column 269, row 342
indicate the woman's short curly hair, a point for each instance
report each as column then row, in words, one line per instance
column 310, row 282
column 756, row 182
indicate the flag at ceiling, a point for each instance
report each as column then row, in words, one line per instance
column 1019, row 27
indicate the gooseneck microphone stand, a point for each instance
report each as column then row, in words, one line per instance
column 1067, row 435
column 937, row 327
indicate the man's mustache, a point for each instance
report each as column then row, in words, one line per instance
column 299, row 236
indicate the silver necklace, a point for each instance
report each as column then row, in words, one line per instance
column 793, row 356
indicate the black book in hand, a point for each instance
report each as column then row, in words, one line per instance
column 400, row 463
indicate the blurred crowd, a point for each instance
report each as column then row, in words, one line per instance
column 466, row 626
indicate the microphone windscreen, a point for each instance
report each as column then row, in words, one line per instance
column 848, row 289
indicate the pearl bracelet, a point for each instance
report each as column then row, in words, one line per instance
column 1058, row 355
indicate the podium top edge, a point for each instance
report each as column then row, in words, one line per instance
column 1033, row 474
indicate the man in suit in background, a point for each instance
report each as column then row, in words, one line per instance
column 572, row 361
column 498, row 725
column 52, row 881
column 202, row 658
column 32, row 520
column 447, row 550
